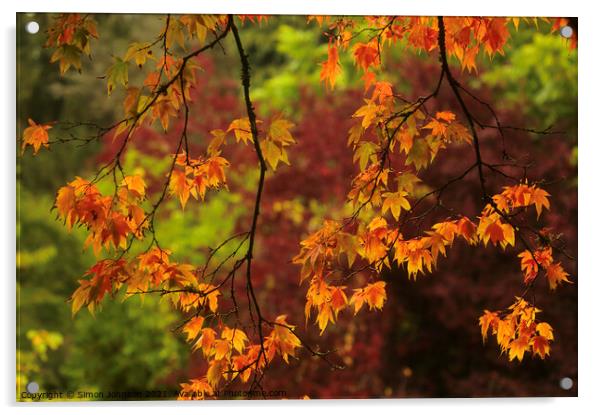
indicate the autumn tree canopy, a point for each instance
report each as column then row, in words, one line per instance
column 393, row 220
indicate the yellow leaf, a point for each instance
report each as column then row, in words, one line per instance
column 395, row 202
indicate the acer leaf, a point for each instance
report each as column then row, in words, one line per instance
column 365, row 153
column 36, row 135
column 139, row 52
column 193, row 327
column 518, row 348
column 331, row 68
column 395, row 202
column 117, row 74
column 556, row 275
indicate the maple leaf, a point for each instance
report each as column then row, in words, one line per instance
column 236, row 337
column 539, row 198
column 117, row 74
column 222, row 349
column 210, row 295
column 496, row 34
column 395, row 202
column 199, row 24
column 197, row 389
column 437, row 128
column 383, row 92
column 372, row 294
column 518, row 347
column 215, row 170
column 467, row 229
column 331, row 68
column 417, row 257
column 338, row 299
column 492, row 229
column 556, row 275
column 134, row 184
column 445, row 115
column 206, row 341
column 68, row 56
column 66, row 204
column 419, row 155
column 193, row 327
column 215, row 372
column 375, row 294
column 180, row 186
column 140, row 52
column 282, row 339
column 437, row 243
column 272, row 153
column 366, row 151
column 488, row 320
column 366, row 55
column 541, row 346
column 369, row 112
column 545, row 330
column 219, row 138
column 528, row 265
column 242, row 130
column 279, row 131
column 36, row 135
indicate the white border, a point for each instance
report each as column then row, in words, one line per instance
column 590, row 99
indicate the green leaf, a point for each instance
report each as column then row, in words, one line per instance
column 117, row 74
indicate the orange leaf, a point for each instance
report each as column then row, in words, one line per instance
column 36, row 135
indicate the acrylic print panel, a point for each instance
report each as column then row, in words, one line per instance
column 269, row 207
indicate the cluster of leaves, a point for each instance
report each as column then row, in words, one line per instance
column 70, row 36
column 230, row 354
column 465, row 37
column 518, row 331
column 387, row 130
column 110, row 220
column 196, row 177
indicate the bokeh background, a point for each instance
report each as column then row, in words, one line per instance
column 425, row 343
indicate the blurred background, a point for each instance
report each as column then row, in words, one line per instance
column 425, row 343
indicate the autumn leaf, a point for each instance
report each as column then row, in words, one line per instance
column 395, row 202
column 539, row 198
column 368, row 112
column 419, row 155
column 518, row 348
column 139, row 52
column 282, row 339
column 556, row 275
column 135, row 184
column 541, row 346
column 117, row 74
column 491, row 229
column 193, row 327
column 236, row 337
column 279, row 131
column 366, row 152
column 488, row 320
column 331, row 68
column 67, row 56
column 242, row 130
column 545, row 330
column 272, row 153
column 179, row 185
column 366, row 55
column 36, row 135
column 372, row 294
